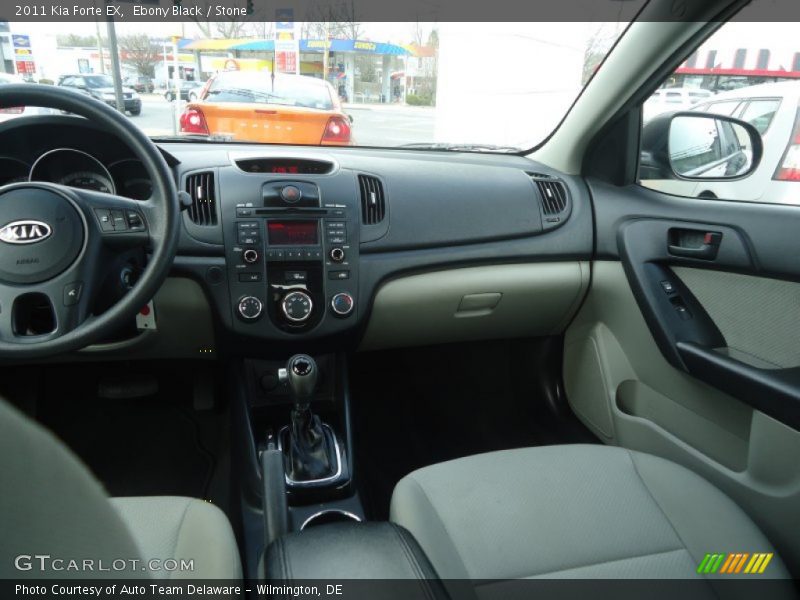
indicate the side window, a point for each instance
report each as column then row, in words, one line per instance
column 744, row 73
column 759, row 113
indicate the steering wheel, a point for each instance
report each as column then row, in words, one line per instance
column 56, row 241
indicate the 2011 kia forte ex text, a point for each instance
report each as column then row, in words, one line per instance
column 490, row 302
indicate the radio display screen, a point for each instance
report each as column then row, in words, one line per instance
column 292, row 233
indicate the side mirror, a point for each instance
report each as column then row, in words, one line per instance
column 699, row 146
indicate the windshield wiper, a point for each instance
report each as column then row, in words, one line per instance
column 191, row 137
column 459, row 147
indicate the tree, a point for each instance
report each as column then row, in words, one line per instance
column 597, row 46
column 365, row 66
column 225, row 27
column 141, row 52
column 72, row 40
column 335, row 18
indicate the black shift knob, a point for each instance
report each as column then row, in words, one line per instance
column 302, row 372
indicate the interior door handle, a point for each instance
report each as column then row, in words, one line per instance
column 704, row 252
column 691, row 243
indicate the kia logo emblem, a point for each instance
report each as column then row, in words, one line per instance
column 25, row 232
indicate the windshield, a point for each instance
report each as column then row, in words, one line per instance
column 98, row 81
column 266, row 89
column 484, row 87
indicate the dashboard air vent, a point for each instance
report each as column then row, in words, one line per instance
column 373, row 202
column 203, row 210
column 554, row 194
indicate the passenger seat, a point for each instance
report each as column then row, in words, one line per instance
column 574, row 511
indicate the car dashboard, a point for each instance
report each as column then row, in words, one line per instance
column 359, row 247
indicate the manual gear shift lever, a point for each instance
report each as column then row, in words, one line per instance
column 311, row 452
column 302, row 373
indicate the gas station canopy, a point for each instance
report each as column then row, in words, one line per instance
column 264, row 45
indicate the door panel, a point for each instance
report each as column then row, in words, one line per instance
column 688, row 344
column 756, row 315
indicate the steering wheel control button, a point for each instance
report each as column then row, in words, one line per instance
column 337, row 254
column 291, row 194
column 72, row 293
column 342, row 304
column 250, row 308
column 135, row 221
column 105, row 218
column 250, row 256
column 296, row 306
column 339, row 275
column 120, row 223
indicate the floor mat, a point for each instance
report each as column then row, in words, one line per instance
column 151, row 445
column 420, row 406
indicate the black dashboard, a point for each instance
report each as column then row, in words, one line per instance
column 292, row 243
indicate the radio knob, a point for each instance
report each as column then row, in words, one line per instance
column 342, row 304
column 250, row 308
column 250, row 256
column 337, row 254
column 296, row 306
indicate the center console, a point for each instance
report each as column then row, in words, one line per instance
column 292, row 258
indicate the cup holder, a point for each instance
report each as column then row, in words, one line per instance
column 329, row 516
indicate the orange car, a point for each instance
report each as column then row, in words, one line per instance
column 257, row 107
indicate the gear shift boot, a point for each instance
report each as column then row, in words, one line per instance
column 311, row 452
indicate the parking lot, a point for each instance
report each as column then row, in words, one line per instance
column 373, row 125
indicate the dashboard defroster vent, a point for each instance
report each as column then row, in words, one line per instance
column 373, row 202
column 203, row 210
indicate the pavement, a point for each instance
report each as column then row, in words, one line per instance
column 373, row 124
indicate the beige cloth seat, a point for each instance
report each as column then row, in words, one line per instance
column 52, row 506
column 574, row 511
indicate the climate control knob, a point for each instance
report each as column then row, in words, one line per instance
column 250, row 308
column 250, row 256
column 342, row 304
column 337, row 254
column 296, row 306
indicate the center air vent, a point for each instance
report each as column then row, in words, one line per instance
column 203, row 210
column 373, row 202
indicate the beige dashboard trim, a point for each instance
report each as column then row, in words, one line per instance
column 474, row 303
